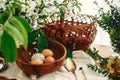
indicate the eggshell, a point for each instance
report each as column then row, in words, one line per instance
column 49, row 59
column 37, row 61
column 38, row 55
column 47, row 52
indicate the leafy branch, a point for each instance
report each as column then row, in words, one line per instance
column 98, row 69
column 108, row 66
column 110, row 22
column 94, row 54
column 101, row 62
column 13, row 29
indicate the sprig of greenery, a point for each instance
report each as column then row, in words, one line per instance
column 102, row 62
column 98, row 69
column 94, row 54
column 104, row 65
column 95, row 68
column 110, row 22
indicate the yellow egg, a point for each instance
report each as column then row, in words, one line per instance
column 49, row 59
column 47, row 52
column 37, row 61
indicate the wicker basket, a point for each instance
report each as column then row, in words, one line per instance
column 76, row 33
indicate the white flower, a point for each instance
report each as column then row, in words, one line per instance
column 2, row 4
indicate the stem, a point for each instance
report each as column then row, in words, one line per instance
column 64, row 0
column 61, row 23
column 7, row 19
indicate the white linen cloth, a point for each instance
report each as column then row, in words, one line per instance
column 81, row 59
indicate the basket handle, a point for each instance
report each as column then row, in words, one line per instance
column 62, row 24
column 62, row 21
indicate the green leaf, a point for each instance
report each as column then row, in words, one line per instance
column 24, row 23
column 42, row 42
column 32, row 36
column 42, row 16
column 77, row 4
column 14, row 32
column 69, row 53
column 8, row 47
column 4, row 16
column 0, row 37
column 21, row 27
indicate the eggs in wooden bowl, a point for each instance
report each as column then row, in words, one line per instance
column 52, row 62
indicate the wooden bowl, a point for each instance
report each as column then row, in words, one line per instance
column 24, row 56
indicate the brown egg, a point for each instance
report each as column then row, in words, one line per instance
column 37, row 61
column 49, row 59
column 47, row 52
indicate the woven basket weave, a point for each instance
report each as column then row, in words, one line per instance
column 75, row 33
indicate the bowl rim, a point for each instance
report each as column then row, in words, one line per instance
column 59, row 59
